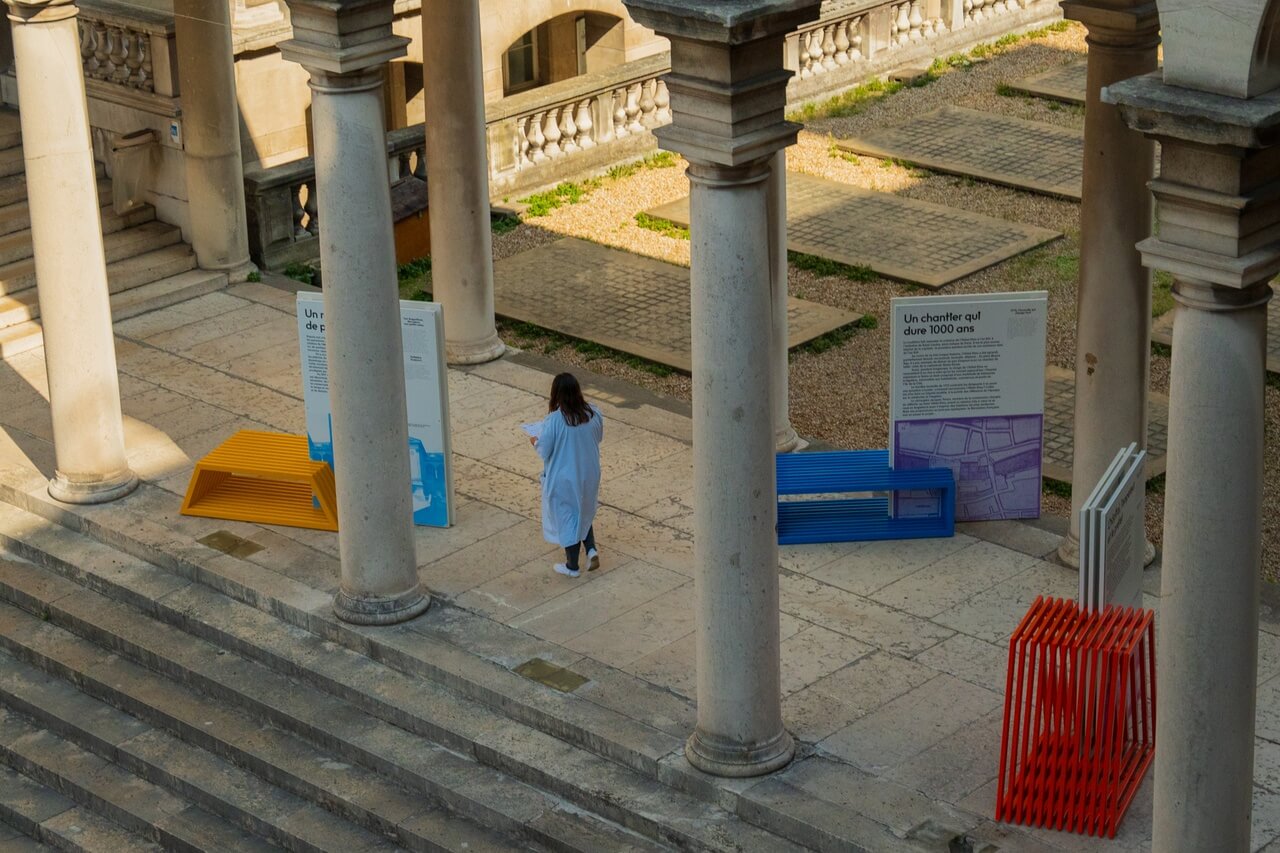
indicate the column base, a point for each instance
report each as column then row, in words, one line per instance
column 721, row 758
column 238, row 273
column 474, row 353
column 786, row 441
column 1069, row 552
column 380, row 609
column 68, row 491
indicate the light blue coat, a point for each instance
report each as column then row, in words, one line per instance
column 570, row 476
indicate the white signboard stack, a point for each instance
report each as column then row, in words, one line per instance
column 426, row 393
column 967, row 393
column 1113, row 535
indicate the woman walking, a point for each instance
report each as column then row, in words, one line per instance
column 569, row 444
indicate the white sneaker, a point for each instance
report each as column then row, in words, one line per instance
column 561, row 568
column 593, row 560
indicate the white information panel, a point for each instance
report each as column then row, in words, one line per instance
column 1113, row 535
column 426, row 393
column 967, row 393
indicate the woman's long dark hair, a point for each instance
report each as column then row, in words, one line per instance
column 566, row 395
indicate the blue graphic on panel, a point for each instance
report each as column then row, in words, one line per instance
column 430, row 490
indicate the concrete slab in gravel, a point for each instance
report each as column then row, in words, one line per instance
column 623, row 301
column 1162, row 332
column 1028, row 155
column 900, row 238
column 1059, row 422
column 1065, row 83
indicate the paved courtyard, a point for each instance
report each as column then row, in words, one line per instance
column 893, row 652
column 1015, row 152
column 901, row 238
column 1065, row 83
column 624, row 301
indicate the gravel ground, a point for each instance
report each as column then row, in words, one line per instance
column 841, row 395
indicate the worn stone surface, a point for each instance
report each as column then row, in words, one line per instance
column 1065, row 83
column 897, row 237
column 627, row 302
column 1014, row 152
column 1059, row 418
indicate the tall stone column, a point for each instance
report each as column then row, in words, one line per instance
column 784, row 437
column 71, row 270
column 458, row 179
column 728, row 91
column 211, row 136
column 1113, row 300
column 1219, row 195
column 345, row 48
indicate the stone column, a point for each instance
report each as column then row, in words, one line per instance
column 1219, row 195
column 211, row 137
column 66, row 233
column 728, row 91
column 784, row 437
column 458, row 179
column 1113, row 300
column 345, row 48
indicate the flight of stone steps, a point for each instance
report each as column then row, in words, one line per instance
column 151, row 711
column 148, row 265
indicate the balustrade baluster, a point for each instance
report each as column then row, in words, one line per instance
column 551, row 130
column 620, row 113
column 815, row 51
column 568, row 130
column 585, row 125
column 312, row 207
column 537, row 141
column 829, row 48
column 101, row 51
column 662, row 98
column 647, row 104
column 855, row 39
column 119, row 50
column 133, row 60
column 299, row 211
column 904, row 24
column 841, row 40
column 146, row 77
column 420, row 163
column 916, row 21
column 802, row 56
column 633, row 109
column 87, row 59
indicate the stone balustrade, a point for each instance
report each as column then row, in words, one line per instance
column 128, row 52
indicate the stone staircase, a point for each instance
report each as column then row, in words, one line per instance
column 170, row 715
column 148, row 265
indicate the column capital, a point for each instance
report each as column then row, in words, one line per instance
column 40, row 11
column 728, row 87
column 1115, row 21
column 342, row 37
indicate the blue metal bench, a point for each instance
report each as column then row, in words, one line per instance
column 855, row 519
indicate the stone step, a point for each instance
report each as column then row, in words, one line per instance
column 446, row 647
column 99, row 779
column 10, row 128
column 14, row 187
column 16, row 216
column 119, row 245
column 350, row 684
column 52, row 821
column 122, row 275
column 16, row 246
column 125, row 304
column 11, row 162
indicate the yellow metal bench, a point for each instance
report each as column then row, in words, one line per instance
column 264, row 477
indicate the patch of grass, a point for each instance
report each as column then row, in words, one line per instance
column 1004, row 90
column 1155, row 486
column 502, row 223
column 837, row 337
column 659, row 160
column 1163, row 350
column 1161, row 293
column 549, row 341
column 835, row 152
column 299, row 271
column 1056, row 263
column 415, row 279
column 825, row 266
column 665, row 227
column 848, row 103
column 253, row 277
column 1057, row 488
column 567, row 192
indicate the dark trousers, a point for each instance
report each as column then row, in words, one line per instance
column 571, row 553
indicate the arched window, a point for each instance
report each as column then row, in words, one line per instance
column 561, row 48
column 520, row 64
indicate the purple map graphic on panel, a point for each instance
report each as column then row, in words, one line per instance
column 996, row 462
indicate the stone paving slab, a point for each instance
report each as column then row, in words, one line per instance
column 1065, row 83
column 1028, row 155
column 901, row 238
column 623, row 301
column 1059, row 423
column 1162, row 332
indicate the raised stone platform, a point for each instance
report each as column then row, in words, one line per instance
column 1059, row 420
column 1162, row 332
column 1065, row 83
column 900, row 238
column 627, row 302
column 1026, row 155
